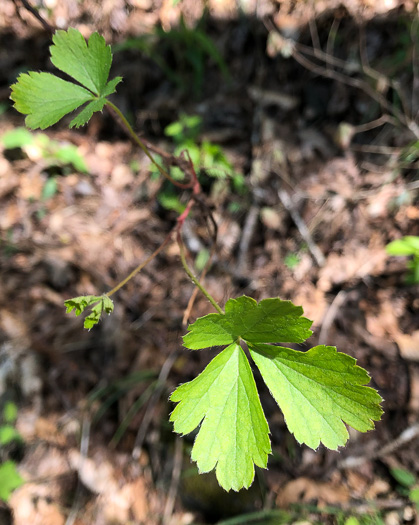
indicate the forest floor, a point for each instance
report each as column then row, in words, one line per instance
column 314, row 106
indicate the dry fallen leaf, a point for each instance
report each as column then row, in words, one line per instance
column 408, row 345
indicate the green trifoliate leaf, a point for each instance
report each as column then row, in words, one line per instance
column 269, row 321
column 99, row 303
column 234, row 434
column 45, row 98
column 318, row 391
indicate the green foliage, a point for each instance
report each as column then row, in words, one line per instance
column 291, row 260
column 182, row 53
column 45, row 98
column 409, row 485
column 208, row 159
column 53, row 152
column 407, row 246
column 10, row 479
column 318, row 391
column 8, row 433
column 234, row 433
column 99, row 304
column 10, row 412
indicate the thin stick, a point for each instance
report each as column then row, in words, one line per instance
column 141, row 266
column 161, row 385
column 174, row 483
column 314, row 34
column 332, row 36
column 35, row 13
column 84, row 447
column 302, row 228
column 337, row 302
column 246, row 237
column 407, row 435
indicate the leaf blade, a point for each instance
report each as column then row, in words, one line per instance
column 45, row 98
column 88, row 63
column 269, row 321
column 318, row 391
column 234, row 434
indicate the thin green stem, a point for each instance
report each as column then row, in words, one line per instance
column 140, row 266
column 140, row 143
column 194, row 279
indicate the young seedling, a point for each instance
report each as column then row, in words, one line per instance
column 319, row 391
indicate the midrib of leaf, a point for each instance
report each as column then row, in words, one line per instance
column 88, row 74
column 227, row 397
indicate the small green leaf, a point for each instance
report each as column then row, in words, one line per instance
column 234, row 434
column 10, row 412
column 17, row 138
column 86, row 114
column 79, row 304
column 45, row 98
column 99, row 303
column 414, row 496
column 10, row 479
column 404, row 477
column 408, row 245
column 8, row 434
column 269, row 321
column 318, row 391
column 89, row 63
column 50, row 188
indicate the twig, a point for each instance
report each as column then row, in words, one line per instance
column 332, row 36
column 142, row 265
column 174, row 483
column 407, row 435
column 84, row 448
column 314, row 33
column 161, row 384
column 384, row 119
column 372, row 148
column 36, row 14
column 247, row 234
column 337, row 302
column 302, row 228
column 415, row 66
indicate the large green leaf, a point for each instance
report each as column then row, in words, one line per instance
column 318, row 391
column 269, row 321
column 234, row 433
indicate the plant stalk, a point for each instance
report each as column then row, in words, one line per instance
column 140, row 143
column 194, row 279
